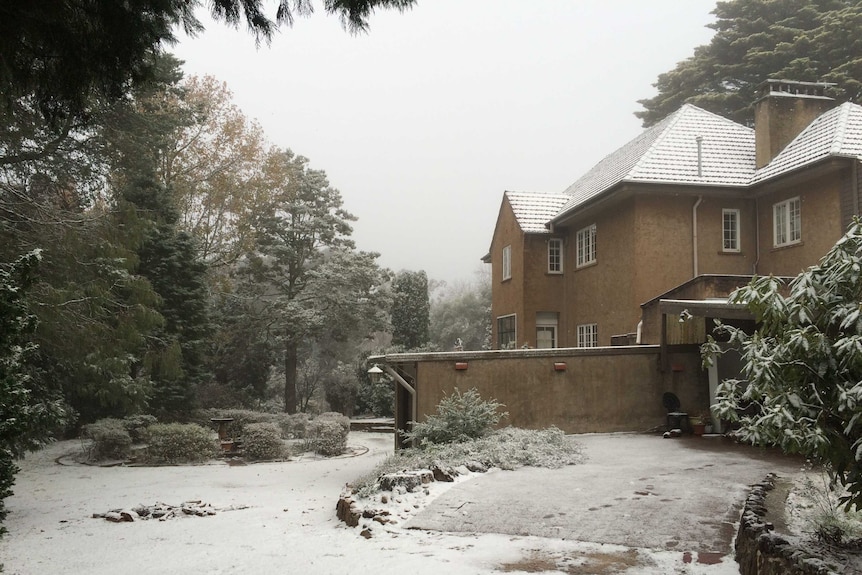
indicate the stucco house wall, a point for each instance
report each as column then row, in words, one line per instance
column 601, row 390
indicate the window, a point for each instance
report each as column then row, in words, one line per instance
column 546, row 329
column 507, row 262
column 506, row 336
column 555, row 256
column 588, row 335
column 787, row 217
column 730, row 230
column 587, row 245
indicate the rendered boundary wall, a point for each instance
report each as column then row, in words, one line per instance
column 577, row 390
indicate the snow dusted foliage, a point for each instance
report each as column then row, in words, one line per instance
column 802, row 387
column 459, row 417
column 410, row 309
column 508, row 448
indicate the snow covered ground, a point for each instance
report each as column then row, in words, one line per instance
column 272, row 518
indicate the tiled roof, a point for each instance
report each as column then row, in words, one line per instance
column 533, row 210
column 837, row 132
column 668, row 153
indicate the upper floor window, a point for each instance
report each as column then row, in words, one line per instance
column 787, row 217
column 555, row 256
column 586, row 241
column 588, row 335
column 506, row 334
column 730, row 230
column 507, row 262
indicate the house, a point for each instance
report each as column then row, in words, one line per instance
column 690, row 209
column 590, row 286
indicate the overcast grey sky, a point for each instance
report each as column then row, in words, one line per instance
column 424, row 122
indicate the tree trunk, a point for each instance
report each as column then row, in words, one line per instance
column 290, row 377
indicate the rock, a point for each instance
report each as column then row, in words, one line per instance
column 409, row 480
column 442, row 475
column 366, row 533
column 476, row 467
column 384, row 499
column 113, row 516
column 347, row 511
column 129, row 516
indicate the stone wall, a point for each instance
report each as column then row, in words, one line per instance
column 760, row 551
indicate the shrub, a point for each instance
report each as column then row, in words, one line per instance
column 263, row 441
column 180, row 442
column 507, row 448
column 137, row 426
column 110, row 439
column 327, row 434
column 293, row 426
column 460, row 417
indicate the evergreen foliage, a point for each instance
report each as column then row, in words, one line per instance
column 263, row 441
column 803, row 365
column 757, row 40
column 180, row 443
column 65, row 54
column 29, row 410
column 327, row 434
column 110, row 439
column 410, row 310
column 460, row 417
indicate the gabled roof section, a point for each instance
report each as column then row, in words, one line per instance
column 668, row 153
column 837, row 132
column 533, row 210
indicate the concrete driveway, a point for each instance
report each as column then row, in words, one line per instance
column 639, row 491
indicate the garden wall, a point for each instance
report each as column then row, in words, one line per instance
column 760, row 551
column 577, row 390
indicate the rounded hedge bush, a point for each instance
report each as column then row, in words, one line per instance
column 263, row 441
column 180, row 443
column 327, row 434
column 110, row 439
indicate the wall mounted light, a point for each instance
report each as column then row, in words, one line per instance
column 375, row 373
column 559, row 366
column 460, row 365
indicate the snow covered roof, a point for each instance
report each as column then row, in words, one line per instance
column 837, row 132
column 533, row 210
column 668, row 153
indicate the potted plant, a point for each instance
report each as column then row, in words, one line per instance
column 702, row 423
column 698, row 426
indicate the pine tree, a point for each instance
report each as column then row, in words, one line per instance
column 756, row 40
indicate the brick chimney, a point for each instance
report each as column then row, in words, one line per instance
column 783, row 109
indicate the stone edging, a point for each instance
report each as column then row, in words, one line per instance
column 760, row 551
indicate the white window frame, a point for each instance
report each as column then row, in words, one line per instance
column 730, row 240
column 546, row 322
column 586, row 246
column 787, row 222
column 514, row 340
column 588, row 335
column 507, row 262
column 555, row 256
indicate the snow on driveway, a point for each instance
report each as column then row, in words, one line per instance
column 283, row 521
